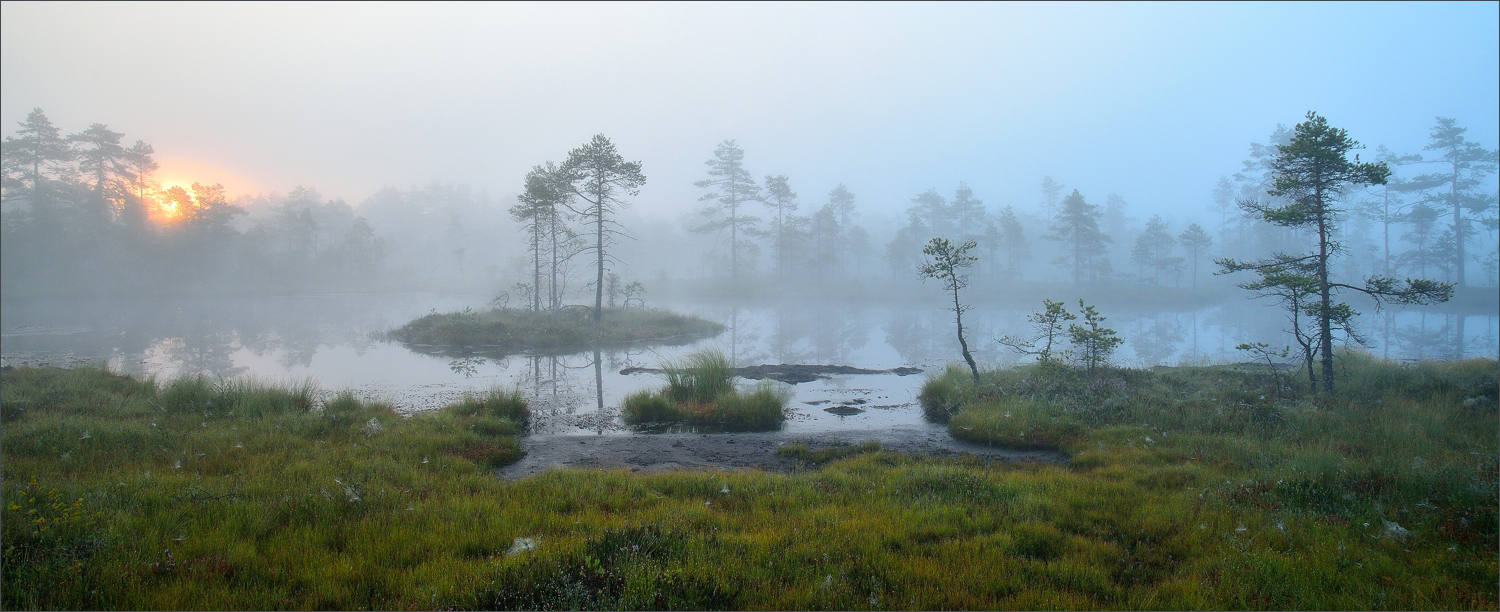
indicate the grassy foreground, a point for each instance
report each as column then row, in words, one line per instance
column 1384, row 495
column 510, row 329
column 276, row 506
column 701, row 392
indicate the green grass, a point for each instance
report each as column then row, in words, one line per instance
column 1177, row 496
column 700, row 391
column 701, row 377
column 807, row 456
column 512, row 330
column 122, row 493
column 1402, row 454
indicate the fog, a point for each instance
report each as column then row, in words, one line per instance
column 381, row 151
column 1153, row 102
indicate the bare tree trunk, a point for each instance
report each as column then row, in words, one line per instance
column 599, row 250
column 734, row 242
column 1325, row 304
column 958, row 314
column 1458, row 228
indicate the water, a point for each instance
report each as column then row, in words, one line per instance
column 331, row 340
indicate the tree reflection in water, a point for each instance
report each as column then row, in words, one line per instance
column 1156, row 338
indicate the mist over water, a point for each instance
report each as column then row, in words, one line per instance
column 335, row 341
column 359, row 167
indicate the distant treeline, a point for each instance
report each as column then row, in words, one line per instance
column 1435, row 219
column 84, row 215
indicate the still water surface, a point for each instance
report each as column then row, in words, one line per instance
column 332, row 340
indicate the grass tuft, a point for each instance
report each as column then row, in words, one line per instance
column 815, row 457
column 700, row 391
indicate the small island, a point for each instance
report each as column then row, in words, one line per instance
column 511, row 330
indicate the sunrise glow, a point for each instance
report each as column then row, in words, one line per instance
column 175, row 178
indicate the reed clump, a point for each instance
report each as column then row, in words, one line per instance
column 700, row 391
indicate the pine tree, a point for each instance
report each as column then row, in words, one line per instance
column 841, row 207
column 1422, row 232
column 101, row 157
column 731, row 188
column 946, row 262
column 1153, row 248
column 1388, row 208
column 1050, row 190
column 1094, row 342
column 38, row 148
column 596, row 174
column 1467, row 166
column 1077, row 226
column 538, row 213
column 967, row 212
column 781, row 198
column 1312, row 173
column 1196, row 241
column 1013, row 236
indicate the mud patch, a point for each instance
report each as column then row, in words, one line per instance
column 691, row 451
column 795, row 373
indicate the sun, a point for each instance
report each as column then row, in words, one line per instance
column 176, row 177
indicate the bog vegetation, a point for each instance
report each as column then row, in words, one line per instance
column 1209, row 487
column 700, row 392
column 509, row 330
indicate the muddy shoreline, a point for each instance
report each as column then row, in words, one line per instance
column 794, row 373
column 736, row 451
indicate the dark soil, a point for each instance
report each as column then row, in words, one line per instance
column 691, row 451
column 795, row 373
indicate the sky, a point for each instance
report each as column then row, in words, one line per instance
column 1151, row 101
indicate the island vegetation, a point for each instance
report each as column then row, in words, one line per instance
column 701, row 392
column 510, row 330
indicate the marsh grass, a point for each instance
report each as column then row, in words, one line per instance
column 114, row 487
column 510, row 330
column 159, row 507
column 801, row 453
column 699, row 378
column 700, row 391
column 1413, row 446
